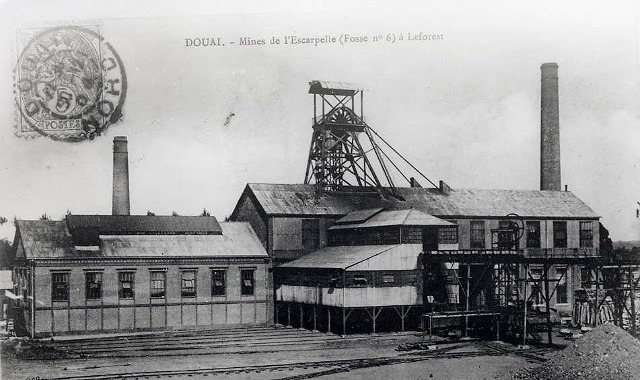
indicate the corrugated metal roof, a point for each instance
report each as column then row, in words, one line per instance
column 139, row 224
column 238, row 239
column 51, row 239
column 359, row 216
column 45, row 238
column 339, row 257
column 410, row 217
column 299, row 199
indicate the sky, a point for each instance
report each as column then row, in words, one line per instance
column 203, row 122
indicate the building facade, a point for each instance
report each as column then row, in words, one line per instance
column 292, row 222
column 96, row 274
column 371, row 270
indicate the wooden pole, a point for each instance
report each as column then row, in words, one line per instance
column 547, row 303
column 315, row 319
column 524, row 322
column 373, row 319
column 597, row 273
column 466, row 318
column 632, row 297
column 301, row 317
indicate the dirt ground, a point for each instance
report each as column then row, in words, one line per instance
column 263, row 353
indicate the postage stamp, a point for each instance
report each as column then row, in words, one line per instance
column 70, row 84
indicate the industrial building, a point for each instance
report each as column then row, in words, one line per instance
column 503, row 254
column 346, row 251
column 122, row 273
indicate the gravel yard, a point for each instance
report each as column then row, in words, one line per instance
column 263, row 353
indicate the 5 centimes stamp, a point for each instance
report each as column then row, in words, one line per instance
column 70, row 84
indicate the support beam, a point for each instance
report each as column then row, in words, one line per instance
column 315, row 319
column 597, row 308
column 632, row 299
column 547, row 302
column 344, row 322
column 524, row 322
column 373, row 319
column 467, row 295
column 301, row 317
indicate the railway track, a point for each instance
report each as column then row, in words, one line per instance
column 535, row 354
column 318, row 368
column 219, row 343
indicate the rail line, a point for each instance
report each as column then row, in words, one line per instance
column 323, row 367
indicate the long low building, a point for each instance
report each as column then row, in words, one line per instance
column 117, row 273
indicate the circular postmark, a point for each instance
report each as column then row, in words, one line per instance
column 70, row 84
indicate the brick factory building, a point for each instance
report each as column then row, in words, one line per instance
column 121, row 272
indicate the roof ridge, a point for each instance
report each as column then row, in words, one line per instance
column 407, row 216
column 379, row 253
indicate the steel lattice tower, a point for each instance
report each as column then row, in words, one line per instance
column 337, row 159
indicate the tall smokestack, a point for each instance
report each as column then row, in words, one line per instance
column 550, row 129
column 120, row 176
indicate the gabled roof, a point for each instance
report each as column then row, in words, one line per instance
column 410, row 217
column 52, row 239
column 45, row 238
column 361, row 258
column 300, row 200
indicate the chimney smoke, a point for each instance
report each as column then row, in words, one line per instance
column 120, row 205
column 550, row 129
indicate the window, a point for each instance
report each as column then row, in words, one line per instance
column 360, row 281
column 388, row 279
column 560, row 234
column 93, row 285
column 507, row 238
column 536, row 286
column 218, row 282
column 391, row 235
column 158, row 280
column 561, row 288
column 60, row 286
column 247, row 285
column 448, row 235
column 126, row 281
column 188, row 283
column 310, row 234
column 586, row 278
column 533, row 234
column 411, row 235
column 586, row 234
column 477, row 234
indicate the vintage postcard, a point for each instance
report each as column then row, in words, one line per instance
column 294, row 190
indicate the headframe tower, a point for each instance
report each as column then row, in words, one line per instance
column 337, row 158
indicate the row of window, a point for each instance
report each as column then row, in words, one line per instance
column 537, row 288
column 158, row 282
column 532, row 229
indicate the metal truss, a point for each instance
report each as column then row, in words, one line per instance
column 337, row 158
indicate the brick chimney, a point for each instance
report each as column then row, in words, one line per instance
column 549, row 129
column 120, row 176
